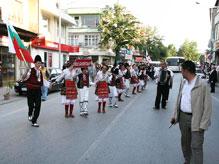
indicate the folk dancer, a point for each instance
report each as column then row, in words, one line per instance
column 141, row 76
column 127, row 78
column 113, row 90
column 69, row 91
column 34, row 81
column 120, row 85
column 102, row 90
column 83, row 86
column 134, row 79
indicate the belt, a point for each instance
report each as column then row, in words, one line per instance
column 187, row 113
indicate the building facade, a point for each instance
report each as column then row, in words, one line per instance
column 214, row 40
column 47, row 44
column 37, row 24
column 26, row 25
column 86, row 35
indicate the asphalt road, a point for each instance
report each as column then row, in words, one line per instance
column 132, row 134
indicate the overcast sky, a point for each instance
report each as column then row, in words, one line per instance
column 176, row 20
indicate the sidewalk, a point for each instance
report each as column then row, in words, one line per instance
column 13, row 97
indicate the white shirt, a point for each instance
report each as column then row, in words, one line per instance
column 185, row 105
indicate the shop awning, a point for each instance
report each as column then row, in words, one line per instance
column 42, row 43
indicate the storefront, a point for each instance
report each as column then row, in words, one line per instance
column 49, row 51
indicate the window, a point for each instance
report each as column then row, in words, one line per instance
column 45, row 25
column 73, row 39
column 217, row 32
column 90, row 20
column 77, row 20
column 91, row 40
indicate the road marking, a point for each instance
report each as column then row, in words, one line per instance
column 101, row 137
column 21, row 109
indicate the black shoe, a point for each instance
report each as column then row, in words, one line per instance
column 164, row 107
column 155, row 108
column 35, row 125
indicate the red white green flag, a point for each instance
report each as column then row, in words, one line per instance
column 16, row 45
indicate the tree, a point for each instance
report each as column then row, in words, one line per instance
column 118, row 29
column 151, row 42
column 171, row 50
column 189, row 50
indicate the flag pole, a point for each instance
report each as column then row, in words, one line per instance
column 25, row 62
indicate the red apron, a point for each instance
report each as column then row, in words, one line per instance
column 102, row 89
column 71, row 91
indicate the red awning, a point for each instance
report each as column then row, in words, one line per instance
column 42, row 43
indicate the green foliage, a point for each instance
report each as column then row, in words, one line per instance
column 118, row 28
column 171, row 50
column 189, row 50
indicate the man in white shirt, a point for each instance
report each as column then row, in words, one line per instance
column 193, row 112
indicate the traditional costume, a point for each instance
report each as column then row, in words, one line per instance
column 34, row 80
column 102, row 89
column 69, row 91
column 113, row 90
column 134, row 80
column 83, row 86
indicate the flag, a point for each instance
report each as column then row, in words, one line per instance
column 16, row 45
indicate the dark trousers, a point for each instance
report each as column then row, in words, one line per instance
column 191, row 141
column 161, row 92
column 34, row 103
column 212, row 87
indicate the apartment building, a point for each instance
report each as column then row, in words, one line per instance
column 26, row 25
column 86, row 35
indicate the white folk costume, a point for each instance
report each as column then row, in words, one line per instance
column 142, row 78
column 102, row 89
column 134, row 80
column 127, row 79
column 83, row 86
column 120, row 84
column 69, row 91
column 113, row 91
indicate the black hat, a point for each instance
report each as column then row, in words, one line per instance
column 37, row 59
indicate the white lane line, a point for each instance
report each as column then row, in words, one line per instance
column 20, row 110
column 11, row 113
column 215, row 98
column 101, row 137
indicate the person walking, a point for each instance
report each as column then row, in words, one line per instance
column 127, row 78
column 69, row 91
column 213, row 78
column 34, row 81
column 193, row 112
column 113, row 90
column 46, row 83
column 83, row 86
column 102, row 89
column 162, row 77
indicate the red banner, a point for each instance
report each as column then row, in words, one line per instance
column 82, row 63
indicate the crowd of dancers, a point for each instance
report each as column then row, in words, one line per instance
column 112, row 84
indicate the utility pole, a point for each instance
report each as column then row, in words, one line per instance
column 60, row 28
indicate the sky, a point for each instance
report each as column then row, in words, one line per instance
column 175, row 20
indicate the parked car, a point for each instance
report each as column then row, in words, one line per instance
column 200, row 73
column 54, row 73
